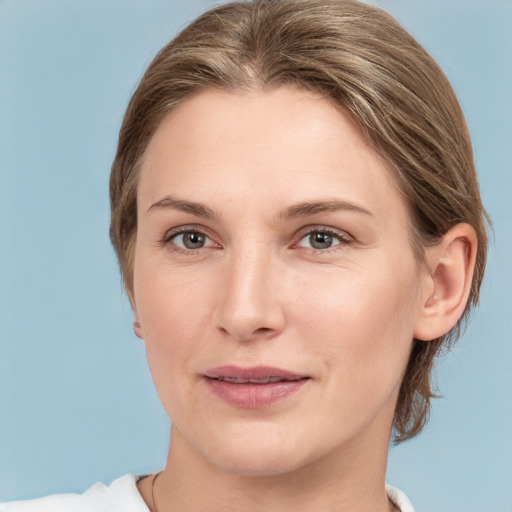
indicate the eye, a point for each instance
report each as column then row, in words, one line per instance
column 190, row 240
column 321, row 239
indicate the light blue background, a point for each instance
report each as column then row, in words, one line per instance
column 77, row 403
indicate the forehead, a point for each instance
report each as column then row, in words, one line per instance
column 286, row 145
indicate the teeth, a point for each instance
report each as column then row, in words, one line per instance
column 266, row 380
column 260, row 381
column 235, row 380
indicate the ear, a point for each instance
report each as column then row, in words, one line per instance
column 449, row 274
column 137, row 328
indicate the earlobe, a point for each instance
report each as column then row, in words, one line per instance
column 137, row 329
column 450, row 265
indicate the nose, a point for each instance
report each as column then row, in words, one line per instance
column 250, row 303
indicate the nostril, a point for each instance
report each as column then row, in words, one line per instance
column 263, row 330
column 242, row 335
column 246, row 319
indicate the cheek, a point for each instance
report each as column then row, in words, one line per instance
column 167, row 298
column 361, row 324
column 173, row 315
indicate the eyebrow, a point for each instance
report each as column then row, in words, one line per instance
column 197, row 209
column 304, row 209
column 307, row 209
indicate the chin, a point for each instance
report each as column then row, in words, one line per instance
column 255, row 463
column 262, row 454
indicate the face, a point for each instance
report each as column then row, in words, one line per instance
column 274, row 281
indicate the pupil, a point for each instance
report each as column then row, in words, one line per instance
column 320, row 240
column 193, row 240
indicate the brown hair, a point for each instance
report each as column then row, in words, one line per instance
column 361, row 59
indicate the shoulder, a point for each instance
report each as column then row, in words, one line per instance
column 120, row 496
column 399, row 499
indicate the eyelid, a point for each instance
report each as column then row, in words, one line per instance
column 343, row 237
column 172, row 233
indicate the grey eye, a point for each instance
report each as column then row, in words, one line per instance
column 190, row 240
column 321, row 240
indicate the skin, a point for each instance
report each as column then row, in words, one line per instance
column 259, row 293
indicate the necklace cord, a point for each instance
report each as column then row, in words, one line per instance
column 153, row 492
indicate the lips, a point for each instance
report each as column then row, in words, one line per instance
column 265, row 380
column 253, row 387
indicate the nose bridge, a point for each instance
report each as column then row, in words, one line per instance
column 249, row 304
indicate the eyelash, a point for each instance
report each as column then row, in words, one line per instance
column 167, row 240
column 343, row 239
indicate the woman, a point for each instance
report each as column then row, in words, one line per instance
column 297, row 219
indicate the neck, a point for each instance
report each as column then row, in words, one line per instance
column 351, row 478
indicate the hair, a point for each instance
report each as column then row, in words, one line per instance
column 358, row 57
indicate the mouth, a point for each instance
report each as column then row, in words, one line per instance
column 264, row 380
column 253, row 387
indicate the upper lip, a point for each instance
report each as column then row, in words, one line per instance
column 254, row 374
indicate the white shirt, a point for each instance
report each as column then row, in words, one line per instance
column 122, row 495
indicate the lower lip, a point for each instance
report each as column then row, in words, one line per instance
column 252, row 396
